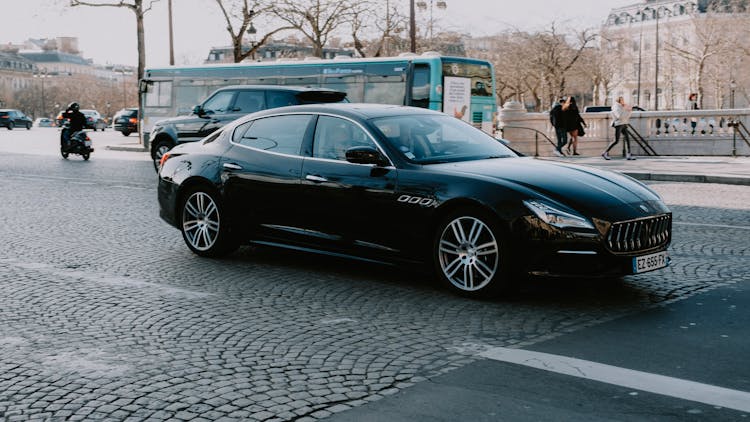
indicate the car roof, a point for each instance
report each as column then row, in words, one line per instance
column 364, row 111
column 291, row 88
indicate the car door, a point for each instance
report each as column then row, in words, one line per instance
column 261, row 173
column 344, row 202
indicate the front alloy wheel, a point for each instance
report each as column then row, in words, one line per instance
column 203, row 227
column 469, row 255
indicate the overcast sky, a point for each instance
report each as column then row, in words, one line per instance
column 108, row 35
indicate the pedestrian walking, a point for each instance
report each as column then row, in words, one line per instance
column 693, row 105
column 620, row 119
column 557, row 120
column 573, row 123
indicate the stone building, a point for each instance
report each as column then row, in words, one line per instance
column 664, row 50
column 40, row 76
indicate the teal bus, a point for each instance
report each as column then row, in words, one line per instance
column 463, row 87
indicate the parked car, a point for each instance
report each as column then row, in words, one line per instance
column 94, row 120
column 227, row 104
column 411, row 186
column 600, row 109
column 44, row 122
column 125, row 121
column 12, row 118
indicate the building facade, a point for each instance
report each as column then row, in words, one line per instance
column 666, row 50
column 41, row 76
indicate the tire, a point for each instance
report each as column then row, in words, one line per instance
column 471, row 254
column 204, row 224
column 10, row 126
column 64, row 154
column 160, row 148
column 85, row 156
column 28, row 126
column 125, row 133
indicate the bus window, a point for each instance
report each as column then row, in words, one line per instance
column 159, row 94
column 480, row 74
column 187, row 96
column 347, row 78
column 385, row 89
column 420, row 86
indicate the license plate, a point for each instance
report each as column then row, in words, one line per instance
column 654, row 261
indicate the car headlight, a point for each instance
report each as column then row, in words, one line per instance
column 556, row 217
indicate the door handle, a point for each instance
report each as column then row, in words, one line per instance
column 316, row 179
column 231, row 166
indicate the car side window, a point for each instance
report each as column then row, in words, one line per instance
column 281, row 99
column 249, row 102
column 333, row 136
column 219, row 103
column 282, row 134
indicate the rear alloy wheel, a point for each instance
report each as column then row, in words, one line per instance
column 204, row 226
column 469, row 255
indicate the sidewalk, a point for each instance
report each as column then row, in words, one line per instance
column 697, row 169
column 702, row 169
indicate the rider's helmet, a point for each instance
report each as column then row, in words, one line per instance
column 73, row 106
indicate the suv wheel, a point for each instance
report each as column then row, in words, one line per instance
column 28, row 126
column 10, row 126
column 160, row 148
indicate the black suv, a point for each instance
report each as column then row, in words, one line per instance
column 11, row 118
column 126, row 121
column 227, row 104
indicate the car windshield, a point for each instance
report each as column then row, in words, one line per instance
column 432, row 139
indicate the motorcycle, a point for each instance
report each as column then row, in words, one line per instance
column 75, row 143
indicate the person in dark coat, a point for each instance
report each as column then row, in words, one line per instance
column 573, row 123
column 77, row 122
column 556, row 119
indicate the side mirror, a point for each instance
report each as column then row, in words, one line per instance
column 365, row 155
column 198, row 111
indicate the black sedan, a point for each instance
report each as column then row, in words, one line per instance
column 408, row 185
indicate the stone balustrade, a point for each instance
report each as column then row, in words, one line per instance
column 669, row 132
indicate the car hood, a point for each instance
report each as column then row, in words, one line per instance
column 595, row 192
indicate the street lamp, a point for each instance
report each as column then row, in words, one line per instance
column 423, row 6
column 41, row 73
column 251, row 31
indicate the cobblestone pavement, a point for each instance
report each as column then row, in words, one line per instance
column 105, row 314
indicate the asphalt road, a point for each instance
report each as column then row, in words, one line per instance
column 105, row 314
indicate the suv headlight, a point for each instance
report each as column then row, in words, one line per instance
column 556, row 217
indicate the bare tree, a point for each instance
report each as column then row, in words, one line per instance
column 138, row 8
column 315, row 19
column 553, row 57
column 366, row 17
column 239, row 15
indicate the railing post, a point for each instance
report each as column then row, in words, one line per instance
column 735, row 126
column 536, row 144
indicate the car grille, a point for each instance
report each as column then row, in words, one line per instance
column 640, row 235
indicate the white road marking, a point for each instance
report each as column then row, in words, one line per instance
column 723, row 226
column 644, row 381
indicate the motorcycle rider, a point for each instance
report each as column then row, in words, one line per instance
column 76, row 120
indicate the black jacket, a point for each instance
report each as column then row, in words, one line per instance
column 76, row 118
column 556, row 116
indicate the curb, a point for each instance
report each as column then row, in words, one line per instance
column 690, row 178
column 126, row 148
